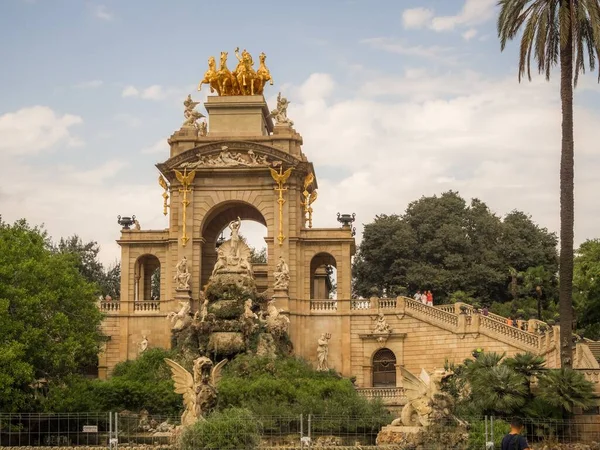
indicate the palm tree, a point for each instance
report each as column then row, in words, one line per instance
column 565, row 31
column 565, row 389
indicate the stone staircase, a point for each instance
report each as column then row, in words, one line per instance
column 461, row 318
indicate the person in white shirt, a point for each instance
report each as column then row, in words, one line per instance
column 417, row 296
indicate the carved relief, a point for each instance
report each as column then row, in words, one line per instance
column 227, row 158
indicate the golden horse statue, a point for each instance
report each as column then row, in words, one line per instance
column 263, row 75
column 225, row 79
column 210, row 77
column 245, row 74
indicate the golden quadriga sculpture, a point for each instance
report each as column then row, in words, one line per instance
column 244, row 80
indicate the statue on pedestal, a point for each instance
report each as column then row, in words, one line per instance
column 183, row 275
column 323, row 352
column 282, row 275
column 190, row 114
column 199, row 390
column 143, row 345
column 280, row 113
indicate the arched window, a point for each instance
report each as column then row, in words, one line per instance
column 384, row 368
column 147, row 278
column 323, row 277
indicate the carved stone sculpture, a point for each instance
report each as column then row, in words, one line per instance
column 182, row 277
column 143, row 345
column 199, row 390
column 323, row 351
column 233, row 255
column 277, row 323
column 136, row 225
column 381, row 325
column 227, row 158
column 248, row 313
column 190, row 114
column 421, row 393
column 282, row 275
column 203, row 129
column 180, row 319
column 280, row 113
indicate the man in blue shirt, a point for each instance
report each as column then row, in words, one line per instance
column 513, row 440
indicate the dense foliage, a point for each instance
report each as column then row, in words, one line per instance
column 491, row 384
column 445, row 245
column 143, row 383
column 48, row 317
column 233, row 428
column 290, row 387
column 586, row 288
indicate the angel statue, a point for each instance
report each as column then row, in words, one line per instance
column 280, row 113
column 423, row 393
column 199, row 390
column 190, row 114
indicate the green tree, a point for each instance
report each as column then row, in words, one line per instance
column 48, row 316
column 108, row 281
column 536, row 282
column 564, row 389
column 446, row 245
column 565, row 32
column 586, row 284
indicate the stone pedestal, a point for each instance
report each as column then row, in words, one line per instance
column 234, row 115
column 182, row 295
column 282, row 300
column 411, row 437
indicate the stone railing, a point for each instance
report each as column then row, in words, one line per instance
column 525, row 337
column 363, row 303
column 146, row 305
column 109, row 307
column 447, row 308
column 392, row 395
column 430, row 311
column 323, row 305
column 387, row 303
column 592, row 375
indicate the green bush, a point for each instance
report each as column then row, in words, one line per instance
column 233, row 428
column 288, row 386
column 144, row 383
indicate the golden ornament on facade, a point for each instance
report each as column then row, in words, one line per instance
column 244, row 80
column 280, row 178
column 186, row 180
column 165, row 186
column 309, row 195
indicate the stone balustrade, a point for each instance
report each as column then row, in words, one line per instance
column 109, row 307
column 515, row 333
column 323, row 305
column 357, row 304
column 389, row 396
column 146, row 305
column 434, row 313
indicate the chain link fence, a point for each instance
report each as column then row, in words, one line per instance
column 128, row 430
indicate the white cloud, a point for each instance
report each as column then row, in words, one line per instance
column 416, row 17
column 493, row 139
column 35, row 129
column 441, row 54
column 155, row 92
column 159, row 147
column 92, row 84
column 473, row 12
column 102, row 13
column 130, row 91
column 469, row 34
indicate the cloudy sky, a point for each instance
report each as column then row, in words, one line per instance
column 395, row 99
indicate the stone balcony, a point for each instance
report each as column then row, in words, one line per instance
column 390, row 396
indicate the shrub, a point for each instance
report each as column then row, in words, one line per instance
column 233, row 428
column 288, row 386
column 477, row 433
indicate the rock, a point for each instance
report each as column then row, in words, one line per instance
column 226, row 343
column 266, row 346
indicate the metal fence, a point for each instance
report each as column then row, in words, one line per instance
column 113, row 430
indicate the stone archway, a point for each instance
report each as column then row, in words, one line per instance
column 384, row 368
column 147, row 278
column 322, row 266
column 215, row 221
